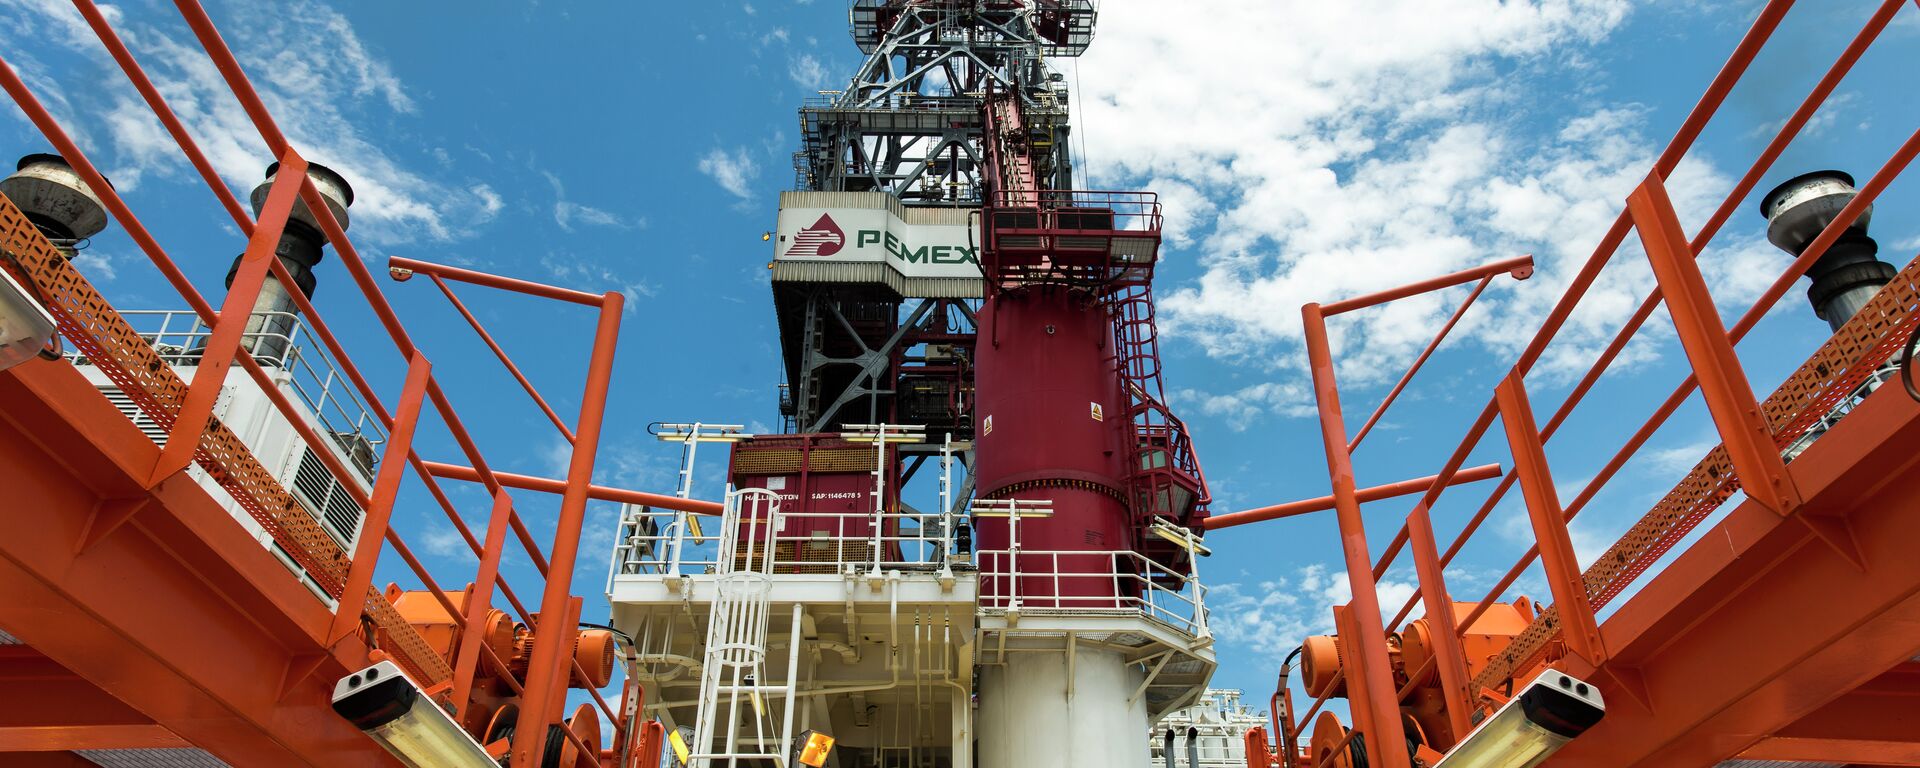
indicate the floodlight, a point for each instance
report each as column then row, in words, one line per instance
column 1182, row 537
column 381, row 701
column 679, row 744
column 1552, row 710
column 814, row 749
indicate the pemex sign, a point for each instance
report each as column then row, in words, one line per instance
column 878, row 235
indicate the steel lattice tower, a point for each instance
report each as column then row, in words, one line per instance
column 909, row 123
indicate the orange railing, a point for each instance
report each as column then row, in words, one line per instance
column 185, row 410
column 1753, row 433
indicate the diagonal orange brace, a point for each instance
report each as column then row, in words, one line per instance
column 224, row 343
column 480, row 597
column 386, row 487
column 1577, row 624
column 1724, row 385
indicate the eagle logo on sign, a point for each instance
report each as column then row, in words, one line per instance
column 823, row 238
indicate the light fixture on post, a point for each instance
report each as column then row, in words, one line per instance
column 1013, row 510
column 690, row 436
column 1551, row 711
column 388, row 707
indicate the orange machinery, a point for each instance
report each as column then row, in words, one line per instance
column 1788, row 634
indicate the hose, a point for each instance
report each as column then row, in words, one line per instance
column 1906, row 364
column 1283, row 726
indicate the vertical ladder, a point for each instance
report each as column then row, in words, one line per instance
column 734, row 695
column 1164, row 475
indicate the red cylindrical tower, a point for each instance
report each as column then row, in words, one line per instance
column 1052, row 425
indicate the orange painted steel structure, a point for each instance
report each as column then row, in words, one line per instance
column 221, row 647
column 1789, row 632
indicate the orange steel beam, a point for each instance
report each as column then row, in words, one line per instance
column 175, row 611
column 46, row 707
column 1876, row 724
column 379, row 509
column 1723, row 383
column 63, row 738
column 1375, row 707
column 235, row 312
column 1363, row 495
column 597, row 492
column 1737, row 641
column 547, row 671
column 1446, row 634
column 1577, row 625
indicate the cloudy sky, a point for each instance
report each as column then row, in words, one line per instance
column 1305, row 151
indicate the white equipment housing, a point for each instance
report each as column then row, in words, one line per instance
column 316, row 390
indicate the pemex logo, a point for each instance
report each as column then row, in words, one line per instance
column 824, row 238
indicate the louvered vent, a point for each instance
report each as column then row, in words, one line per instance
column 323, row 494
column 134, row 414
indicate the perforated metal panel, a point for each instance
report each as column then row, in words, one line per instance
column 1824, row 382
column 91, row 326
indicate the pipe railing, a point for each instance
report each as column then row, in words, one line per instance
column 349, row 581
column 1717, row 372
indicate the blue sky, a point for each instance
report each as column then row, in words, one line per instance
column 1306, row 151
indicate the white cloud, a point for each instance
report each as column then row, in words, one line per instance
column 444, row 541
column 594, row 275
column 1241, row 407
column 97, row 266
column 566, row 212
column 806, row 71
column 320, row 93
column 1272, row 617
column 490, row 202
column 1348, row 165
column 734, row 171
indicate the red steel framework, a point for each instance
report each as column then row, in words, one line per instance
column 219, row 647
column 1787, row 634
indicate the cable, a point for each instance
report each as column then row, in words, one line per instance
column 1906, row 364
column 1284, row 725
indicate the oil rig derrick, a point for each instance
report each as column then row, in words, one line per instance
column 949, row 303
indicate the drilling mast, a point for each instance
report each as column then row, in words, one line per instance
column 945, row 292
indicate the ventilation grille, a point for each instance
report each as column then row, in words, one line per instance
column 133, row 413
column 314, row 486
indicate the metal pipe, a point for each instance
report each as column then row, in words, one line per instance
column 545, row 673
column 1520, row 267
column 501, row 354
column 403, row 269
column 1193, row 747
column 1364, row 609
column 1401, row 385
column 596, row 492
column 1364, row 495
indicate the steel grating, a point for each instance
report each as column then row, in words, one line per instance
column 1820, row 385
column 151, row 758
column 88, row 322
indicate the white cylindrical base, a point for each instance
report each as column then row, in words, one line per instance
column 1027, row 718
